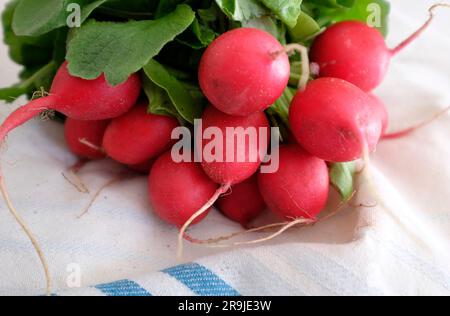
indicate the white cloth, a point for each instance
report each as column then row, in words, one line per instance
column 402, row 246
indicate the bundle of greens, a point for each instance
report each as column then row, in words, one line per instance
column 165, row 39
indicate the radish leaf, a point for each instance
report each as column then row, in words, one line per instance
column 120, row 49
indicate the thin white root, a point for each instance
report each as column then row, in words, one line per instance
column 29, row 233
column 213, row 243
column 306, row 72
column 300, row 221
column 223, row 189
column 338, row 208
column 232, row 235
column 97, row 194
column 418, row 32
column 414, row 128
column 84, row 141
column 73, row 177
column 39, row 94
column 75, row 181
column 367, row 174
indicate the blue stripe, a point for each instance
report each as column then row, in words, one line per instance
column 201, row 280
column 122, row 288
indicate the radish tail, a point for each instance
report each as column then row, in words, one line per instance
column 232, row 235
column 24, row 114
column 85, row 142
column 28, row 232
column 414, row 128
column 417, row 33
column 73, row 177
column 223, row 189
column 284, row 226
column 78, row 165
column 306, row 73
column 17, row 118
column 298, row 221
column 110, row 182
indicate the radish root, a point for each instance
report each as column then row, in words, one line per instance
column 414, row 128
column 214, row 242
column 290, row 48
column 417, row 33
column 221, row 190
column 232, row 235
column 73, row 177
column 29, row 233
column 15, row 119
column 299, row 221
column 116, row 179
column 84, row 141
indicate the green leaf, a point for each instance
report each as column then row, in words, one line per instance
column 209, row 15
column 341, row 176
column 181, row 99
column 28, row 51
column 11, row 93
column 166, row 6
column 199, row 35
column 373, row 12
column 305, row 28
column 241, row 10
column 333, row 3
column 133, row 10
column 264, row 23
column 159, row 101
column 34, row 82
column 204, row 34
column 133, row 6
column 281, row 106
column 286, row 10
column 87, row 8
column 120, row 49
column 32, row 18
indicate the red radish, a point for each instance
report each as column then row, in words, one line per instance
column 231, row 170
column 244, row 71
column 382, row 111
column 178, row 190
column 76, row 132
column 335, row 120
column 352, row 51
column 138, row 136
column 299, row 189
column 356, row 52
column 78, row 99
column 244, row 203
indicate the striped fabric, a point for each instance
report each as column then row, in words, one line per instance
column 396, row 242
column 194, row 277
column 122, row 288
column 201, row 280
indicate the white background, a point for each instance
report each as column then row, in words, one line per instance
column 120, row 237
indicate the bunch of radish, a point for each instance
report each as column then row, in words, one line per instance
column 333, row 118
